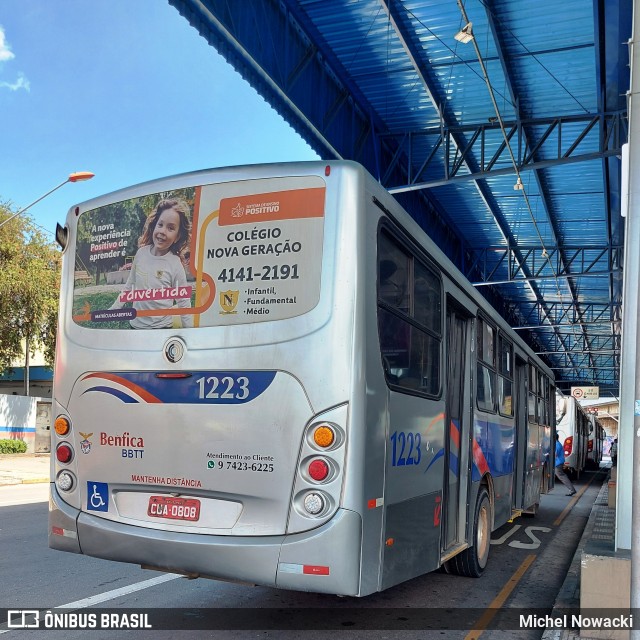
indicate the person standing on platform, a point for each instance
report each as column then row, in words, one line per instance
column 614, row 452
column 559, row 468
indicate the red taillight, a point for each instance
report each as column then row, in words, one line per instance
column 64, row 453
column 568, row 446
column 172, row 376
column 318, row 470
column 590, row 446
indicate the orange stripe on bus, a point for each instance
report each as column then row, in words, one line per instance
column 143, row 393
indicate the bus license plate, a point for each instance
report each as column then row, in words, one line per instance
column 174, row 508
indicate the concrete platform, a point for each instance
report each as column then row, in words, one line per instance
column 598, row 577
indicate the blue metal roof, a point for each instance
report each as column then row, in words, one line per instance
column 535, row 100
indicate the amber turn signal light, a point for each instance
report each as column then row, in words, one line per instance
column 324, row 436
column 62, row 426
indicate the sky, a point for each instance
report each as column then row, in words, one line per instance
column 125, row 89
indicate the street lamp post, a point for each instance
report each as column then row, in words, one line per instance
column 78, row 176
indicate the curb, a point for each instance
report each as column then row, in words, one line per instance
column 10, row 482
column 569, row 594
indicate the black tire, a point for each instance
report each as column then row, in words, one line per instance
column 472, row 561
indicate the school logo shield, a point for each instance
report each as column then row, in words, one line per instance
column 229, row 301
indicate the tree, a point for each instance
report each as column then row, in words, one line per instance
column 29, row 288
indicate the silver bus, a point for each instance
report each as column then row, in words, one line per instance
column 271, row 374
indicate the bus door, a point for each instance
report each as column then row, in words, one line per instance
column 457, row 416
column 521, row 431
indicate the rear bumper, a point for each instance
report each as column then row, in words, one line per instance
column 276, row 561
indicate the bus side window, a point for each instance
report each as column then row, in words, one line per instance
column 427, row 297
column 393, row 274
column 533, row 392
column 486, row 367
column 505, row 376
column 394, row 343
column 409, row 319
column 485, row 394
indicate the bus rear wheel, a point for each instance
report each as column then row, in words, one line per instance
column 472, row 561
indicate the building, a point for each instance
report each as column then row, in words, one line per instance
column 40, row 378
column 608, row 411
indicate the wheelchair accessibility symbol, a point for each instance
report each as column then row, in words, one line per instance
column 97, row 496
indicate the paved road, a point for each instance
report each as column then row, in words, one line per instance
column 528, row 562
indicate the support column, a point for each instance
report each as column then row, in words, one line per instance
column 628, row 484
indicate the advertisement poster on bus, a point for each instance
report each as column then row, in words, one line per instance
column 219, row 254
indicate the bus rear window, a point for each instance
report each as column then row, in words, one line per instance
column 220, row 254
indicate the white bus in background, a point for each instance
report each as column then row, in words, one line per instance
column 307, row 394
column 572, row 425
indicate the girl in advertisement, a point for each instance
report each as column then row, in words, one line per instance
column 158, row 269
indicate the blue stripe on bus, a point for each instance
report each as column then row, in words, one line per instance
column 438, row 455
column 198, row 387
column 497, row 444
column 115, row 392
column 494, row 442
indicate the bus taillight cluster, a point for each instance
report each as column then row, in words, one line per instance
column 568, row 446
column 318, row 469
column 65, row 480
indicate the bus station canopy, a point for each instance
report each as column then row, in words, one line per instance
column 498, row 124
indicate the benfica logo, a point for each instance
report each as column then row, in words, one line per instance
column 229, row 301
column 85, row 445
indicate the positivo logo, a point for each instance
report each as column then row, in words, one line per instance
column 237, row 211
